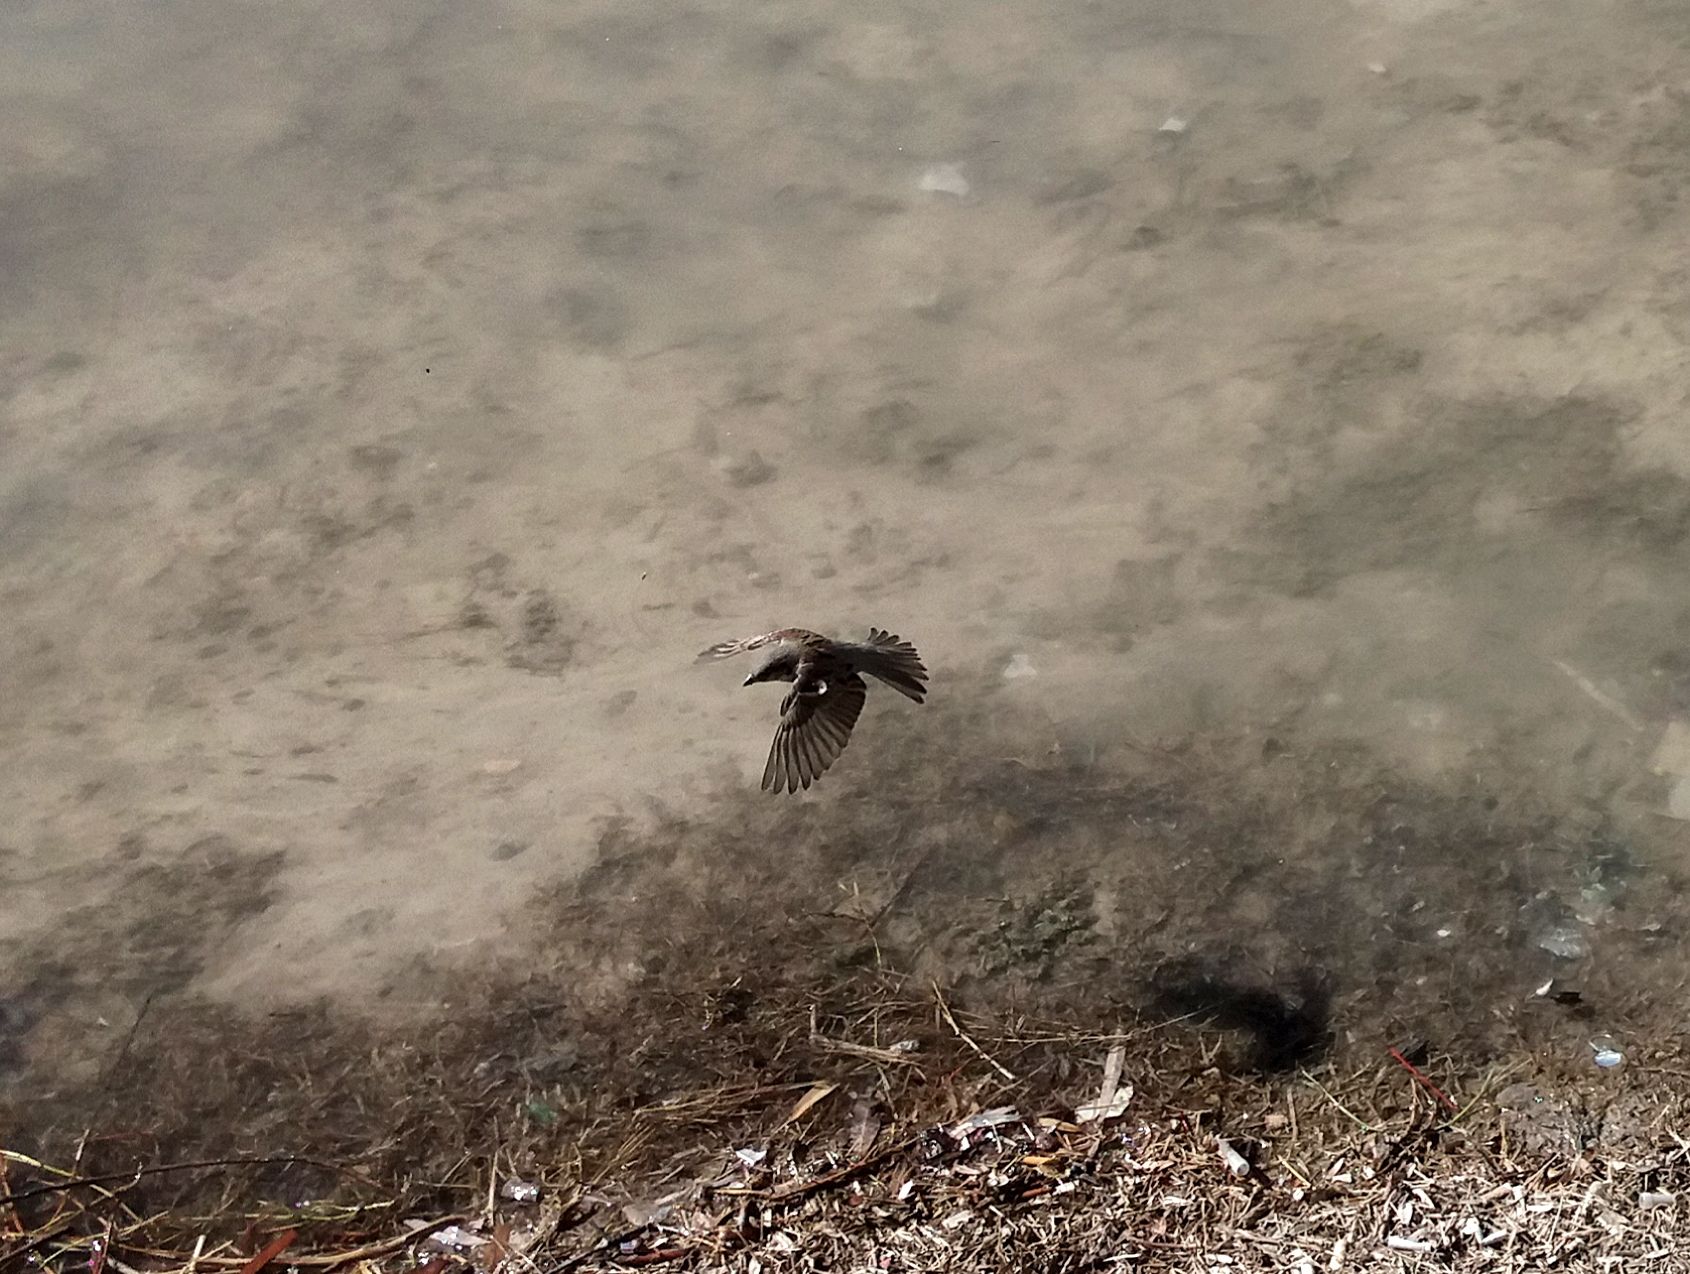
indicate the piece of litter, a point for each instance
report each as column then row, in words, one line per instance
column 1399, row 1244
column 904, row 1046
column 865, row 1127
column 500, row 766
column 1236, row 1163
column 1378, row 68
column 654, row 1212
column 1607, row 1058
column 748, row 470
column 1112, row 1107
column 1019, row 666
column 945, row 179
column 1565, row 942
column 455, row 1236
column 1470, row 1228
column 1112, row 1097
column 994, row 1118
column 1173, row 124
column 1678, row 800
column 905, row 1191
column 1593, row 906
column 751, row 1158
column 519, row 1191
column 957, row 1220
column 1672, row 753
column 1648, row 1200
column 806, row 1103
column 1545, row 989
column 1595, row 693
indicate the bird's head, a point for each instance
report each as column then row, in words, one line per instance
column 768, row 670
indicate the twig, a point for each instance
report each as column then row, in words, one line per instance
column 872, row 1054
column 1356, row 1119
column 798, row 1189
column 327, row 1260
column 965, row 1038
column 607, row 1243
column 1430, row 1087
column 128, row 1043
column 98, row 1264
column 270, row 1251
column 106, row 1178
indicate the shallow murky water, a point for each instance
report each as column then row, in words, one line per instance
column 1265, row 419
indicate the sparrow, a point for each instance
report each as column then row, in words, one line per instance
column 828, row 690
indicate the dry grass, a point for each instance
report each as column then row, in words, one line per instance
column 761, row 981
column 910, row 1135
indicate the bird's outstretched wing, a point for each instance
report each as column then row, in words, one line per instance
column 725, row 649
column 815, row 726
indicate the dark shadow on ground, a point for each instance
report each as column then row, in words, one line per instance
column 1309, row 905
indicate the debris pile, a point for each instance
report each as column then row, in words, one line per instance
column 910, row 1157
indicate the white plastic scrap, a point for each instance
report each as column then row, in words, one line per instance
column 1470, row 1228
column 1019, row 666
column 1236, row 1163
column 1648, row 1200
column 751, row 1158
column 1112, row 1096
column 945, row 179
column 519, row 1191
column 996, row 1117
column 455, row 1236
column 1174, row 124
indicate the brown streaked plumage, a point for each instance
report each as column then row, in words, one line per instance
column 827, row 695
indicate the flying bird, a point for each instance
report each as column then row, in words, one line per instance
column 828, row 690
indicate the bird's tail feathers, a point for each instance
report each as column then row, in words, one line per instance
column 893, row 661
